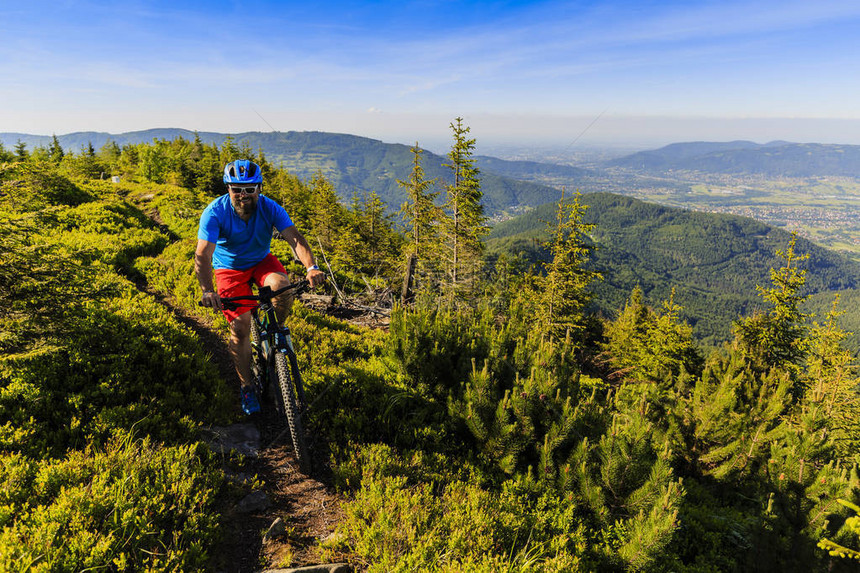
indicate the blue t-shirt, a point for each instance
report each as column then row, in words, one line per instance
column 240, row 245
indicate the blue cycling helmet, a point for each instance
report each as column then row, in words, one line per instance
column 242, row 172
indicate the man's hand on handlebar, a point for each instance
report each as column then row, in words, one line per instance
column 211, row 299
column 315, row 277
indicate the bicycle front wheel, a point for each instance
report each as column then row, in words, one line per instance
column 258, row 361
column 291, row 409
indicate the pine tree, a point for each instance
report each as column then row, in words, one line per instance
column 529, row 417
column 422, row 218
column 644, row 345
column 130, row 159
column 830, row 379
column 4, row 154
column 763, row 422
column 154, row 162
column 776, row 339
column 367, row 242
column 206, row 167
column 326, row 214
column 21, row 151
column 55, row 150
column 852, row 525
column 87, row 164
column 419, row 211
column 565, row 291
column 229, row 151
column 464, row 228
column 109, row 155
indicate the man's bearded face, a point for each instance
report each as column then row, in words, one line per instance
column 244, row 198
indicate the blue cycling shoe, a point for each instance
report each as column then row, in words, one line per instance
column 250, row 405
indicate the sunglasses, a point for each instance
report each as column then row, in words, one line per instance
column 244, row 189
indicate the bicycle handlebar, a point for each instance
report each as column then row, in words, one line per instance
column 265, row 294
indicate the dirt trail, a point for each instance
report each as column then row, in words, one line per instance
column 308, row 505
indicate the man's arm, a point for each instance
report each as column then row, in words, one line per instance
column 203, row 270
column 303, row 251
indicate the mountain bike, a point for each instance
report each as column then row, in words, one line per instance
column 277, row 377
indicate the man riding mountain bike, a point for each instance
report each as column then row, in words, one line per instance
column 234, row 239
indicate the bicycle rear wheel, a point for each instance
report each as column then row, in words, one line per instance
column 291, row 410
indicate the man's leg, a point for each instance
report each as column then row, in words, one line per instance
column 283, row 304
column 271, row 273
column 240, row 348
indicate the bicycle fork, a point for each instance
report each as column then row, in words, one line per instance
column 281, row 341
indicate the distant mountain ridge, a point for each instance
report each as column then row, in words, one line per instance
column 774, row 159
column 353, row 164
column 80, row 139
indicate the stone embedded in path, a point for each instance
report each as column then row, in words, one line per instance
column 254, row 501
column 241, row 438
column 277, row 529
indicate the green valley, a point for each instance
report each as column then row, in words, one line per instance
column 712, row 262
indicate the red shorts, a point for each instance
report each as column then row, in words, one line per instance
column 238, row 283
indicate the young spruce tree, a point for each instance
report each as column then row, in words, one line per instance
column 465, row 227
column 565, row 287
column 422, row 216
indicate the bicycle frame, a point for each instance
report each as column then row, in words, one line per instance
column 276, row 338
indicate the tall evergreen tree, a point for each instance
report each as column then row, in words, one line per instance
column 327, row 214
column 375, row 227
column 830, row 378
column 420, row 211
column 109, row 154
column 465, row 227
column 230, row 151
column 565, row 291
column 645, row 345
column 21, row 151
column 5, row 155
column 55, row 150
column 776, row 338
column 422, row 218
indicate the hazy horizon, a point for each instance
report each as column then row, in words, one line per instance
column 626, row 133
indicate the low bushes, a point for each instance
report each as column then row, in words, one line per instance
column 128, row 506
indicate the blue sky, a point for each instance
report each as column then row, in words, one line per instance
column 517, row 71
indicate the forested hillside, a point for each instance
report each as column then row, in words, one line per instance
column 713, row 262
column 497, row 425
column 354, row 165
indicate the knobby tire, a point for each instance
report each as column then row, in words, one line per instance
column 291, row 410
column 298, row 382
column 258, row 361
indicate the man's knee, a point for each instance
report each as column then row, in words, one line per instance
column 240, row 327
column 283, row 302
column 276, row 280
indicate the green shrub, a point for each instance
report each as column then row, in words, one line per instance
column 32, row 186
column 171, row 273
column 115, row 232
column 129, row 362
column 400, row 524
column 130, row 506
